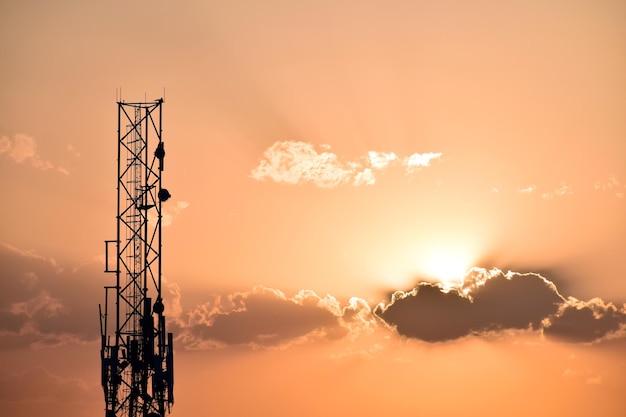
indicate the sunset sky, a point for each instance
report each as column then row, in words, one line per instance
column 378, row 207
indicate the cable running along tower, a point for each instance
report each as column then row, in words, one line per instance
column 137, row 353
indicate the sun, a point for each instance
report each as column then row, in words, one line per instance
column 442, row 262
column 445, row 265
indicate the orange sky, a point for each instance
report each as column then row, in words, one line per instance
column 322, row 156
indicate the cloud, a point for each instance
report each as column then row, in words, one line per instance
column 594, row 380
column 299, row 162
column 583, row 322
column 37, row 391
column 23, row 149
column 381, row 160
column 265, row 317
column 611, row 186
column 261, row 317
column 486, row 304
column 416, row 161
column 293, row 162
column 491, row 300
column 43, row 303
column 71, row 149
column 365, row 177
column 561, row 191
column 169, row 212
column 586, row 376
column 527, row 190
column 357, row 318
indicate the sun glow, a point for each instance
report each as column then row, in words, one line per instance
column 438, row 262
column 445, row 265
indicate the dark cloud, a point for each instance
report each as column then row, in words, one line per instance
column 11, row 322
column 43, row 302
column 579, row 321
column 514, row 301
column 490, row 300
column 427, row 313
column 262, row 317
column 487, row 301
column 37, row 391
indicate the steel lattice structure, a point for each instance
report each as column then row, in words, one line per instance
column 137, row 355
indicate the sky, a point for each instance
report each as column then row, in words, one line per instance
column 378, row 207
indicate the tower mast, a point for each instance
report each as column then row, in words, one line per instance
column 137, row 353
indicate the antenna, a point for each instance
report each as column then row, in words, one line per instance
column 137, row 355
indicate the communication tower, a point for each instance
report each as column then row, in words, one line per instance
column 137, row 353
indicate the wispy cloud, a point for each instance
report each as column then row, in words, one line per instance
column 22, row 149
column 416, row 161
column 294, row 162
column 170, row 212
column 612, row 185
column 527, row 190
column 71, row 149
column 561, row 191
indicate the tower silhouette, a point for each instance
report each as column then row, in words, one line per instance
column 137, row 353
